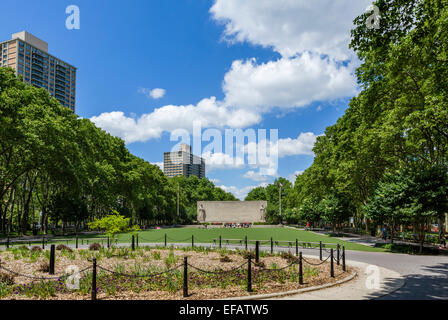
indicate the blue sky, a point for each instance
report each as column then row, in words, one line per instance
column 229, row 63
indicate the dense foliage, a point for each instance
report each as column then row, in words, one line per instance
column 193, row 189
column 375, row 164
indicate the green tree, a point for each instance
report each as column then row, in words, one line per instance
column 113, row 224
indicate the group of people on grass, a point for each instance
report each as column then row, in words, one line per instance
column 237, row 225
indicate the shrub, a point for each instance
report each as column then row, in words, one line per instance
column 44, row 267
column 6, row 279
column 25, row 248
column 156, row 255
column 35, row 248
column 289, row 257
column 63, row 247
column 95, row 247
column 245, row 254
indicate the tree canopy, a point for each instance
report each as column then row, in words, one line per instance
column 59, row 169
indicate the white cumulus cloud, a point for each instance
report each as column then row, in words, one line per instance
column 156, row 93
column 291, row 26
column 312, row 38
column 287, row 83
column 209, row 112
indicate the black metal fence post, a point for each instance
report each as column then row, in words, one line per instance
column 331, row 264
column 343, row 259
column 165, row 239
column 185, row 277
column 338, row 254
column 297, row 247
column 272, row 246
column 52, row 254
column 220, row 242
column 43, row 243
column 133, row 243
column 320, row 250
column 245, row 242
column 257, row 251
column 7, row 243
column 192, row 241
column 249, row 273
column 108, row 243
column 137, row 240
column 76, row 242
column 300, row 269
column 94, row 280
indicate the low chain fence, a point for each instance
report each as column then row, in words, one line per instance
column 250, row 269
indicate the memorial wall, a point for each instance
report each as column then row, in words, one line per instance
column 232, row 211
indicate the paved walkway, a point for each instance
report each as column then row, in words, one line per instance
column 364, row 286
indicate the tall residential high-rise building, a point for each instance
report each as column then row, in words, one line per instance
column 29, row 57
column 183, row 163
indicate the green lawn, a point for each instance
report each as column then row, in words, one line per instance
column 183, row 235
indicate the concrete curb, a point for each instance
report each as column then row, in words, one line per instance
column 298, row 291
column 344, row 289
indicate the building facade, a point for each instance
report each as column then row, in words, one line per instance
column 231, row 211
column 183, row 163
column 29, row 57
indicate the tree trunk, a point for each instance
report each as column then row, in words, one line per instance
column 392, row 230
column 422, row 237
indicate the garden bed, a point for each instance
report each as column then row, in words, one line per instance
column 141, row 274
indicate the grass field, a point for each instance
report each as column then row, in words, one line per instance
column 184, row 235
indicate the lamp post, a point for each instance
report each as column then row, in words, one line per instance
column 178, row 200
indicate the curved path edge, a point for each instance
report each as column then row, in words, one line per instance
column 381, row 281
column 293, row 292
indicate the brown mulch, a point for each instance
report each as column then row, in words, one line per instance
column 145, row 258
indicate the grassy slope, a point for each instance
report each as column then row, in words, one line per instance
column 207, row 235
column 183, row 235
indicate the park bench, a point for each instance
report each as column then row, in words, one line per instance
column 228, row 240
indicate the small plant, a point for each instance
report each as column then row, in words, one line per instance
column 310, row 272
column 156, row 255
column 44, row 267
column 35, row 248
column 246, row 254
column 260, row 264
column 225, row 259
column 171, row 259
column 64, row 247
column 289, row 257
column 6, row 279
column 95, row 247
